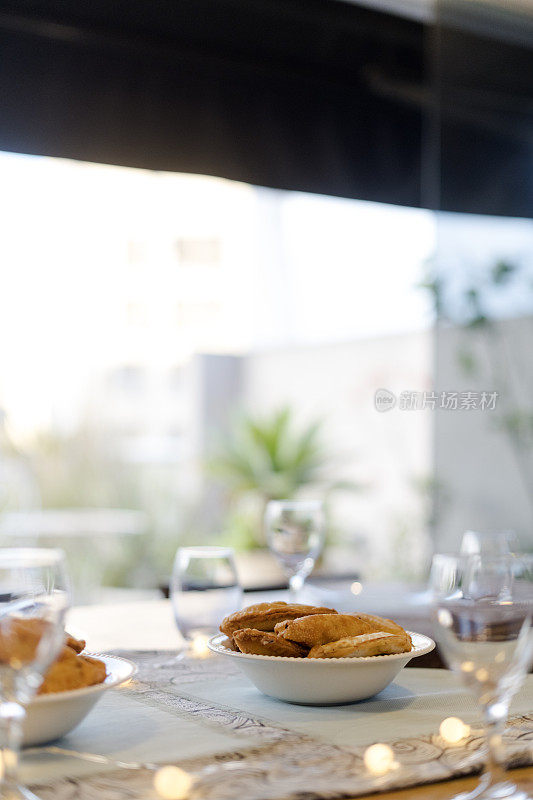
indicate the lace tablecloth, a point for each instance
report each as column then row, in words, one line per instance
column 203, row 716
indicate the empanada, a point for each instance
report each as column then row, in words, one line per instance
column 264, row 643
column 72, row 671
column 76, row 644
column 321, row 628
column 368, row 644
column 383, row 624
column 20, row 638
column 264, row 616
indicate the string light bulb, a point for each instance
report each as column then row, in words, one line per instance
column 172, row 783
column 379, row 759
column 453, row 730
column 198, row 647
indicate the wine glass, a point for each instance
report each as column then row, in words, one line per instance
column 295, row 532
column 483, row 606
column 34, row 597
column 204, row 589
column 492, row 542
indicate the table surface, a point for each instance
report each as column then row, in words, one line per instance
column 149, row 625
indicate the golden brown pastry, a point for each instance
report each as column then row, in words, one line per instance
column 264, row 616
column 368, row 644
column 76, row 644
column 20, row 637
column 383, row 624
column 72, row 671
column 19, row 640
column 322, row 628
column 265, row 643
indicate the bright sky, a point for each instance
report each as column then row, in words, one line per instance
column 294, row 269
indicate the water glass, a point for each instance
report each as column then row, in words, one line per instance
column 204, row 589
column 34, row 597
column 295, row 531
column 483, row 606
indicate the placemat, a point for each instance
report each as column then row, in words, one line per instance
column 203, row 716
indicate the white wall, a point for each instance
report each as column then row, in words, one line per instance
column 389, row 454
column 484, row 480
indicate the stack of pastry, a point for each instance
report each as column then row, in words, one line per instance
column 19, row 642
column 300, row 631
column 72, row 669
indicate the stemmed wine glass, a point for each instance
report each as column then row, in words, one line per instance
column 295, row 532
column 34, row 597
column 483, row 606
column 204, row 588
column 488, row 542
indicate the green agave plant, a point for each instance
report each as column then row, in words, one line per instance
column 270, row 457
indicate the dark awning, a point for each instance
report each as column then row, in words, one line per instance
column 315, row 95
column 283, row 93
column 483, row 59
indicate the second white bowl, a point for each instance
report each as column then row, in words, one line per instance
column 51, row 716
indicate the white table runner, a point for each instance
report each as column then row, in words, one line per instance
column 202, row 713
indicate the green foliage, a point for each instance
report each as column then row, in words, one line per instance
column 519, row 424
column 240, row 530
column 502, row 271
column 264, row 459
column 270, row 457
column 467, row 361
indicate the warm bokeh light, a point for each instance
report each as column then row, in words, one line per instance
column 379, row 759
column 453, row 730
column 445, row 618
column 356, row 587
column 198, row 647
column 172, row 783
column 468, row 666
column 482, row 674
column 8, row 763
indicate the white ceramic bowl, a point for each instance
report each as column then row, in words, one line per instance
column 321, row 681
column 50, row 716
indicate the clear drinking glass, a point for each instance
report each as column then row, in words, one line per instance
column 34, row 597
column 295, row 532
column 204, row 589
column 483, row 607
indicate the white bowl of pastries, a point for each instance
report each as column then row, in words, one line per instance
column 72, row 685
column 315, row 656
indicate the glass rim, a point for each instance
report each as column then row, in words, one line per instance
column 488, row 530
column 295, row 503
column 461, row 558
column 206, row 551
column 30, row 556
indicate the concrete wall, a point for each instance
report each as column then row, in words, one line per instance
column 484, row 474
column 388, row 454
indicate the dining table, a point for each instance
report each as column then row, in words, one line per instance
column 201, row 714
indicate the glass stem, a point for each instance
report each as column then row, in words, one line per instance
column 295, row 585
column 495, row 719
column 11, row 719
